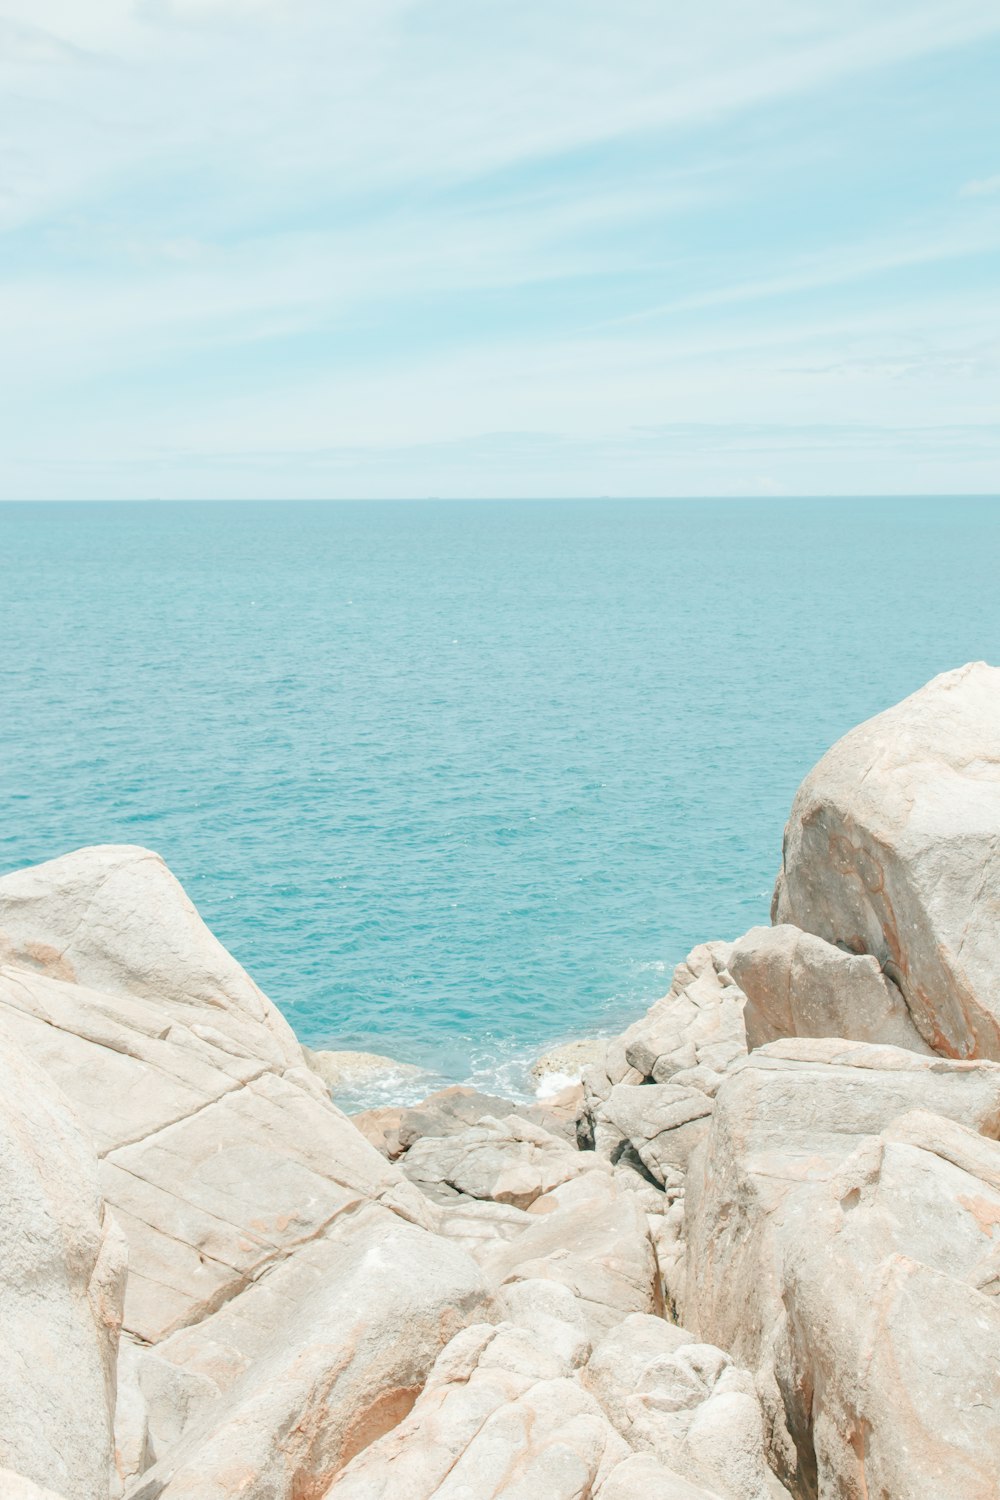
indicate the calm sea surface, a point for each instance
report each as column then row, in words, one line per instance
column 458, row 781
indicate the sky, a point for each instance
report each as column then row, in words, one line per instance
column 466, row 248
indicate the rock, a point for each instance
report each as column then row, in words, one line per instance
column 893, row 849
column 642, row 1476
column 688, row 1039
column 553, row 1313
column 114, row 919
column 558, row 1112
column 894, row 1272
column 592, row 1238
column 16, row 1487
column 380, row 1127
column 774, row 1276
column 661, row 1122
column 450, row 1112
column 798, row 985
column 220, row 1153
column 62, row 1277
column 509, row 1161
column 499, row 1417
column 356, row 1070
column 314, row 1362
column 684, row 1402
column 563, row 1066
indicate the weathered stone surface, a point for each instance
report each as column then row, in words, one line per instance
column 62, row 1276
column 592, row 1238
column 642, row 1478
column 686, row 1403
column 314, row 1362
column 779, row 1276
column 499, row 1417
column 797, row 984
column 553, row 1313
column 220, row 1151
column 893, row 849
column 380, row 1127
column 449, row 1112
column 509, row 1161
column 16, row 1487
column 662, row 1122
column 650, row 1099
column 563, row 1065
column 113, row 918
column 356, row 1070
column 894, row 1274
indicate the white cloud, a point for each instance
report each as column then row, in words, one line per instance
column 193, row 176
column 983, row 187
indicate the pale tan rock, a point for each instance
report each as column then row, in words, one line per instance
column 563, row 1066
column 662, row 1122
column 314, row 1362
column 355, row 1070
column 114, row 919
column 816, row 1247
column 510, row 1161
column 553, row 1313
column 62, row 1275
column 893, row 848
column 592, row 1238
column 499, row 1417
column 798, row 985
column 642, row 1478
column 687, row 1040
column 451, row 1111
column 16, row 1487
column 217, row 1158
column 686, row 1403
column 381, row 1128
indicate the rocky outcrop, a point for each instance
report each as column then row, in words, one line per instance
column 796, row 1260
column 312, row 1363
column 504, row 1415
column 893, row 849
column 740, row 1270
column 798, row 985
column 236, row 1182
column 62, row 1279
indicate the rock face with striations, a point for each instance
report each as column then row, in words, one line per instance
column 893, row 849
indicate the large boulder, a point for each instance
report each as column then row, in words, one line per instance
column 112, row 917
column 587, row 1235
column 502, row 1416
column 506, row 1160
column 649, row 1097
column 686, row 1403
column 798, row 985
column 236, row 1181
column 806, row 1271
column 893, row 849
column 290, row 1380
column 220, row 1151
column 62, row 1279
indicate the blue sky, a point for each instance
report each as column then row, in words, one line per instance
column 343, row 248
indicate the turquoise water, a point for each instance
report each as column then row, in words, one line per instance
column 457, row 781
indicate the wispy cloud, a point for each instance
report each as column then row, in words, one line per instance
column 981, row 187
column 395, row 226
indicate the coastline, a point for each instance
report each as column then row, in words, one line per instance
column 246, row 1287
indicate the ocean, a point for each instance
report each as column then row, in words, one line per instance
column 457, row 781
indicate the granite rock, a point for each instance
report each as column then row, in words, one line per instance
column 893, row 849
